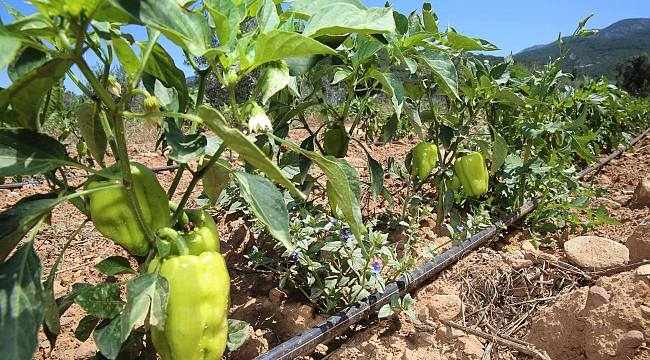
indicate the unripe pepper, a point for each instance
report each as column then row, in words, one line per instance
column 196, row 326
column 473, row 174
column 455, row 183
column 336, row 141
column 113, row 215
column 424, row 157
column 200, row 233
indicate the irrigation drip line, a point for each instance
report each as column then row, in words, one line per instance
column 41, row 181
column 338, row 323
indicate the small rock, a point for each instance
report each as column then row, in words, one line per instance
column 629, row 342
column 521, row 263
column 639, row 242
column 44, row 344
column 409, row 355
column 276, row 295
column 527, row 245
column 445, row 306
column 596, row 253
column 622, row 200
column 642, row 192
column 65, row 320
column 321, row 349
column 643, row 270
column 645, row 310
column 425, row 339
column 470, row 346
column 449, row 333
column 423, row 314
column 85, row 351
column 259, row 333
column 596, row 296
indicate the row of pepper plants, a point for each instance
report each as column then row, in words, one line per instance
column 491, row 137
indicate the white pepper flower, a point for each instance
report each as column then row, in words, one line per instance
column 150, row 104
column 259, row 121
column 113, row 86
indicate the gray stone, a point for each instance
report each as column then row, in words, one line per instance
column 596, row 296
column 596, row 253
column 85, row 351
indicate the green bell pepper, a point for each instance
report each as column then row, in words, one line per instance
column 196, row 326
column 424, row 157
column 336, row 141
column 114, row 217
column 199, row 232
column 472, row 172
column 454, row 183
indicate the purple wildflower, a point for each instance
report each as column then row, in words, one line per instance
column 333, row 220
column 294, row 255
column 376, row 266
column 460, row 228
column 346, row 233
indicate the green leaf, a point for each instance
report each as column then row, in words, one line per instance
column 101, row 301
column 145, row 295
column 245, row 147
column 273, row 79
column 385, row 311
column 115, row 265
column 20, row 218
column 27, row 60
column 444, row 70
column 461, row 42
column 90, row 126
column 365, row 51
column 414, row 118
column 341, row 18
column 126, row 55
column 430, row 19
column 25, row 94
column 345, row 180
column 185, row 148
column 161, row 66
column 376, row 176
column 27, row 152
column 237, row 334
column 227, row 15
column 107, row 336
column 304, row 9
column 499, row 154
column 401, row 23
column 186, row 28
column 51, row 323
column 67, row 300
column 267, row 16
column 85, row 327
column 268, row 205
column 389, row 129
column 215, row 179
column 9, row 46
column 279, row 44
column 393, row 87
column 21, row 304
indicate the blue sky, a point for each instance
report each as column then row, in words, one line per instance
column 511, row 25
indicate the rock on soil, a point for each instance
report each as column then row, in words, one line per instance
column 596, row 253
column 642, row 192
column 639, row 242
column 584, row 323
column 445, row 307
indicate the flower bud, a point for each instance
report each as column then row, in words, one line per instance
column 113, row 86
column 150, row 104
column 231, row 78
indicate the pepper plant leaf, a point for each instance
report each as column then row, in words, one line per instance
column 107, row 337
column 268, row 204
column 443, row 69
column 9, row 48
column 393, row 87
column 304, row 9
column 25, row 94
column 273, row 79
column 28, row 152
column 376, row 176
column 115, row 265
column 227, row 15
column 185, row 148
column 21, row 304
column 101, row 301
column 186, row 28
column 342, row 18
column 216, row 179
column 244, row 147
column 279, row 44
column 90, row 126
column 162, row 67
column 145, row 295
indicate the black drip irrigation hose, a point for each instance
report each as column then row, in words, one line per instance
column 41, row 181
column 338, row 323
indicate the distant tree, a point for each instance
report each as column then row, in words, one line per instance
column 633, row 75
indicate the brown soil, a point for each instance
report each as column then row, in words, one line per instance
column 543, row 301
